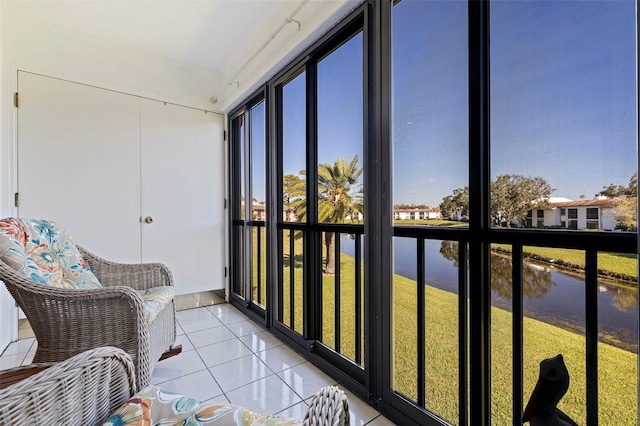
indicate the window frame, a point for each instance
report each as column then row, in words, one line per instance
column 475, row 343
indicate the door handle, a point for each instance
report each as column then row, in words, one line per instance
column 148, row 219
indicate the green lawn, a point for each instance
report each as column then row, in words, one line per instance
column 617, row 368
column 620, row 263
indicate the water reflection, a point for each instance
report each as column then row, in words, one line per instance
column 624, row 298
column 550, row 295
column 536, row 281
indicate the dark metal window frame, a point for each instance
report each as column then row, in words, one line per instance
column 326, row 358
column 374, row 383
column 242, row 254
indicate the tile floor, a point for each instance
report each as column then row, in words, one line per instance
column 227, row 357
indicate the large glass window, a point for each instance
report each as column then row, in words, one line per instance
column 340, row 176
column 294, row 150
column 430, row 188
column 258, row 205
column 564, row 129
column 563, row 78
column 294, row 199
column 430, row 113
column 340, row 161
column 238, row 207
column 471, row 307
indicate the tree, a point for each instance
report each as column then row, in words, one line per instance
column 632, row 190
column 625, row 213
column 512, row 196
column 404, row 206
column 456, row 206
column 614, row 191
column 337, row 198
column 289, row 183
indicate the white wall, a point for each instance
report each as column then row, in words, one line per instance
column 39, row 47
column 43, row 48
column 608, row 219
column 8, row 313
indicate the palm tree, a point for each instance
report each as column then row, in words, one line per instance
column 336, row 199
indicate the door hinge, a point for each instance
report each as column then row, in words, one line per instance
column 225, row 203
column 225, row 272
column 16, row 199
column 15, row 100
column 224, row 135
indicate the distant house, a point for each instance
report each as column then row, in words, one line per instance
column 417, row 214
column 259, row 212
column 289, row 214
column 583, row 214
column 358, row 216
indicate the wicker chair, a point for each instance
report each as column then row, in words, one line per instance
column 83, row 390
column 87, row 388
column 68, row 320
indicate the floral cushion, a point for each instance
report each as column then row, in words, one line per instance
column 155, row 299
column 159, row 407
column 44, row 252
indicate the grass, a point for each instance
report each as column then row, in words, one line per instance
column 617, row 373
column 621, row 263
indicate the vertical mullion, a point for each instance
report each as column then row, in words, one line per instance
column 292, row 277
column 517, row 334
column 336, row 239
column 463, row 381
column 276, row 212
column 247, row 253
column 313, row 248
column 378, row 212
column 259, row 262
column 358, row 296
column 420, row 318
column 280, row 290
column 591, row 314
column 479, row 181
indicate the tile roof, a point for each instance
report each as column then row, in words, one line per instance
column 605, row 202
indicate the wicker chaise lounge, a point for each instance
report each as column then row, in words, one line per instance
column 76, row 301
column 86, row 389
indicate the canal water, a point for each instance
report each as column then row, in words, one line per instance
column 550, row 295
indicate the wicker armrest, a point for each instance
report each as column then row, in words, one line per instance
column 84, row 389
column 329, row 406
column 68, row 322
column 17, row 374
column 137, row 276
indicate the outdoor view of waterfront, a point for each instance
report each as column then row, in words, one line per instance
column 551, row 295
column 562, row 154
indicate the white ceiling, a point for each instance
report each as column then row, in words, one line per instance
column 218, row 36
column 205, row 34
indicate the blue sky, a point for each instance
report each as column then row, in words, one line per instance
column 563, row 103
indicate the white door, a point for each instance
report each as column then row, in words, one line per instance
column 183, row 194
column 79, row 163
